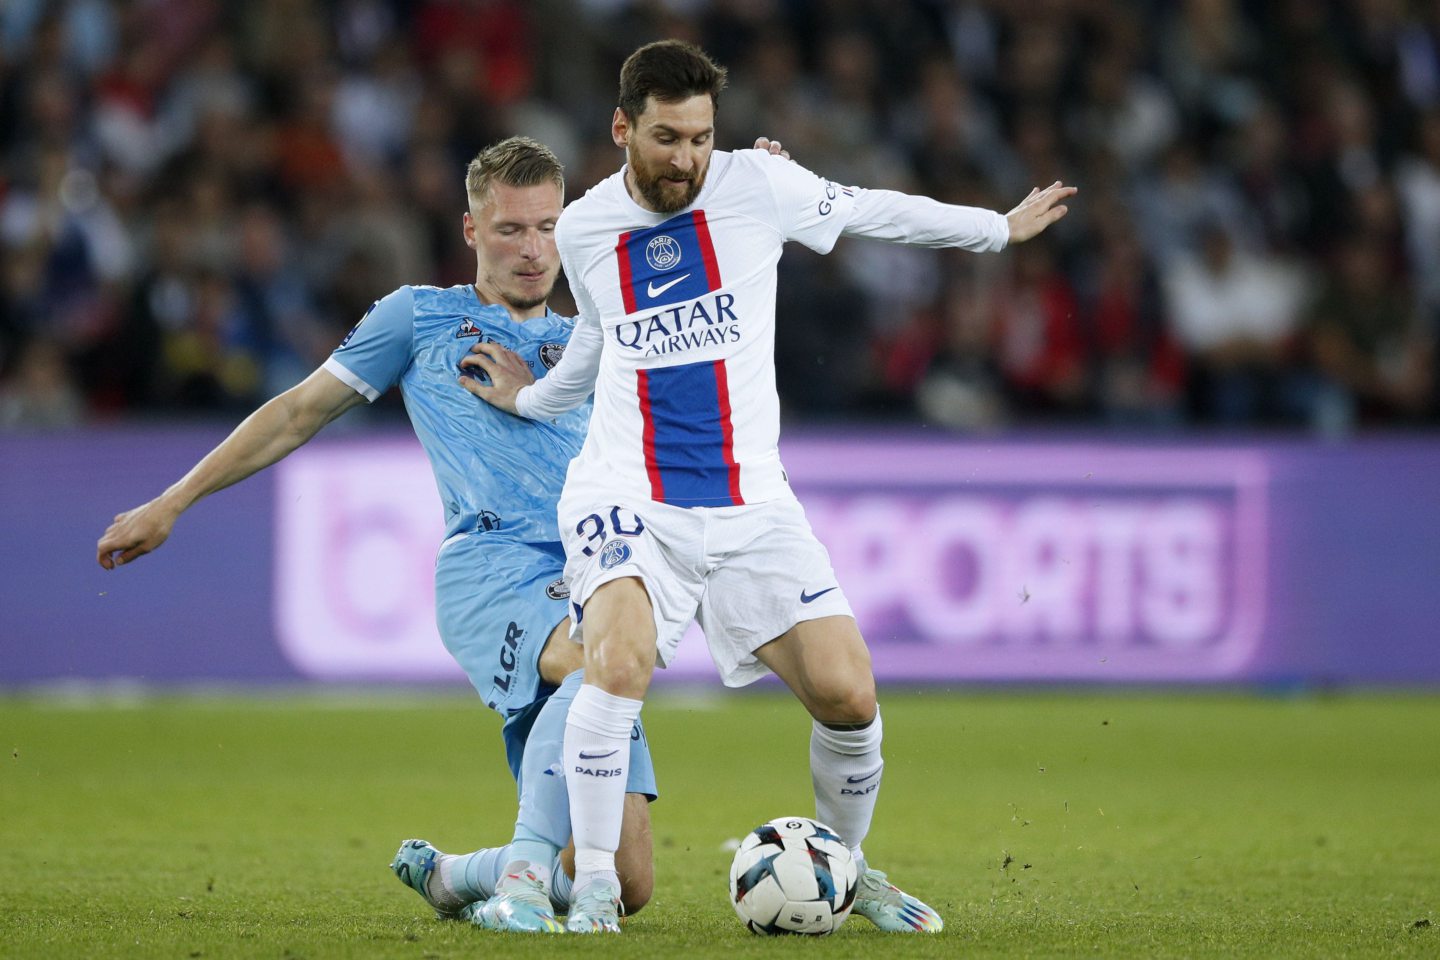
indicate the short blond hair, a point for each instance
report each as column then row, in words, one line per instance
column 515, row 162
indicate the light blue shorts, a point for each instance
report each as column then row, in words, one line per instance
column 518, row 739
column 496, row 603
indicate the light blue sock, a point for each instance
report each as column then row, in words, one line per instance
column 544, row 815
column 542, row 826
column 473, row 875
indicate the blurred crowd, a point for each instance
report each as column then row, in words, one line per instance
column 198, row 198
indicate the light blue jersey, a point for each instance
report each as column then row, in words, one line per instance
column 498, row 586
column 497, row 474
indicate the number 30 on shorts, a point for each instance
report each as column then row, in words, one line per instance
column 592, row 528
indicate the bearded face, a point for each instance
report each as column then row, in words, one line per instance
column 668, row 148
column 663, row 189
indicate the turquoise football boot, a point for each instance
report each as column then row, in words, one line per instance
column 596, row 910
column 892, row 909
column 521, row 904
column 415, row 863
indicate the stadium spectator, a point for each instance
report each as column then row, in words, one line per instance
column 209, row 358
column 1418, row 180
column 1237, row 316
column 1036, row 336
column 274, row 302
column 41, row 395
column 948, row 361
column 1368, row 341
column 1138, row 368
column 1295, row 126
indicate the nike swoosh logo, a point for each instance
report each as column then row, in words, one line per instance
column 655, row 291
column 597, row 756
column 864, row 778
column 807, row 597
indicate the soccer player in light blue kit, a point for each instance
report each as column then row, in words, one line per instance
column 499, row 596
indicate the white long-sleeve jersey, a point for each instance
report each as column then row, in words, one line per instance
column 677, row 329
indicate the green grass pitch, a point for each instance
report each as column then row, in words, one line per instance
column 1039, row 824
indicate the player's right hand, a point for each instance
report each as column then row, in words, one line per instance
column 1038, row 210
column 134, row 534
column 507, row 373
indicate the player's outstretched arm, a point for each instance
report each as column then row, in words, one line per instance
column 1038, row 210
column 267, row 435
column 904, row 218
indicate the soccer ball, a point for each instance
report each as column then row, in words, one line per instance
column 793, row 875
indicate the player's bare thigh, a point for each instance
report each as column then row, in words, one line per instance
column 826, row 664
column 560, row 657
column 634, row 860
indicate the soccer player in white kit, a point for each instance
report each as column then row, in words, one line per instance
column 677, row 507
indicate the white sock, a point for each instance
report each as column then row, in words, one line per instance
column 845, row 769
column 442, row 887
column 597, row 765
column 541, row 871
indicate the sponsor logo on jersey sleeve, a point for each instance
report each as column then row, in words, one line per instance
column 357, row 325
column 832, row 190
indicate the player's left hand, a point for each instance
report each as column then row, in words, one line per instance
column 1037, row 211
column 135, row 533
column 507, row 373
column 773, row 146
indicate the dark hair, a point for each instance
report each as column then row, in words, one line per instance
column 669, row 71
column 516, row 162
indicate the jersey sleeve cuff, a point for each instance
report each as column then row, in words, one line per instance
column 345, row 376
column 523, row 407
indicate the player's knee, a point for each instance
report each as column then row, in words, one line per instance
column 637, row 879
column 635, row 891
column 852, row 703
column 622, row 669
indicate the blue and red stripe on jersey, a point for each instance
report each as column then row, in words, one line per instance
column 688, row 437
column 671, row 263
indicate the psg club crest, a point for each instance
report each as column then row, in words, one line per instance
column 662, row 253
column 550, row 354
column 614, row 553
column 669, row 263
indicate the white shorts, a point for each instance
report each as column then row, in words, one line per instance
column 746, row 573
